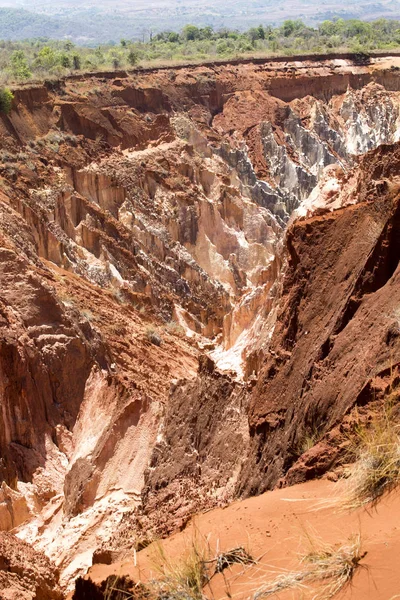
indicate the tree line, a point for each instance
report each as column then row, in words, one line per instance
column 43, row 58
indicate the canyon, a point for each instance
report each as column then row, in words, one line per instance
column 199, row 295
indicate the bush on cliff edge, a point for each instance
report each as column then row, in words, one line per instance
column 6, row 100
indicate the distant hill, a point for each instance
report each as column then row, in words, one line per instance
column 110, row 20
column 86, row 27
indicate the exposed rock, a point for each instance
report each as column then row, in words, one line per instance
column 24, row 573
column 340, row 299
column 192, row 464
column 223, row 213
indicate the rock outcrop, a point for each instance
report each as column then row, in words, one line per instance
column 24, row 573
column 336, row 342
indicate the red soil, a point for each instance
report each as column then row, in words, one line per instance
column 275, row 528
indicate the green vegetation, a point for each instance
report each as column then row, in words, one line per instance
column 89, row 23
column 6, row 98
column 19, row 66
column 43, row 58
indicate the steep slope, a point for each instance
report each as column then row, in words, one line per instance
column 159, row 328
column 333, row 355
column 336, row 343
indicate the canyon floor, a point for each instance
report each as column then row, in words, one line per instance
column 278, row 529
column 199, row 304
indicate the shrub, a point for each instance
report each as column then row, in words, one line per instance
column 133, row 58
column 65, row 61
column 6, row 100
column 76, row 62
column 174, row 328
column 19, row 65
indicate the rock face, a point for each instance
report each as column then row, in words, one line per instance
column 24, row 573
column 337, row 331
column 198, row 270
column 204, row 420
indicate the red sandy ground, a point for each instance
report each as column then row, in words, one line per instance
column 275, row 528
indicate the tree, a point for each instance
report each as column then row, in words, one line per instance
column 77, row 62
column 46, row 58
column 290, row 27
column 114, row 57
column 223, row 33
column 133, row 57
column 206, row 33
column 65, row 61
column 191, row 32
column 19, row 65
column 355, row 28
column 327, row 28
column 99, row 56
column 253, row 34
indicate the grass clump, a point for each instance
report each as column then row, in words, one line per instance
column 377, row 467
column 308, row 440
column 184, row 578
column 330, row 568
column 174, row 328
column 153, row 336
column 335, row 565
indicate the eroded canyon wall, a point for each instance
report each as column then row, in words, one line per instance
column 197, row 271
column 336, row 343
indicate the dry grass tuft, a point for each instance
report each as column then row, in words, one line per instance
column 184, row 578
column 238, row 555
column 329, row 567
column 153, row 336
column 377, row 467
